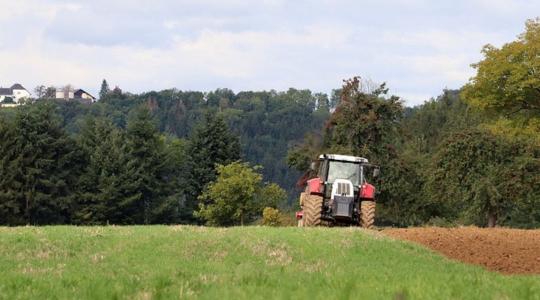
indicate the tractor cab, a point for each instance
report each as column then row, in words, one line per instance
column 341, row 188
column 341, row 174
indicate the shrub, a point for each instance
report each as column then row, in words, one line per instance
column 271, row 217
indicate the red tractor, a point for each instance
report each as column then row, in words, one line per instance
column 340, row 194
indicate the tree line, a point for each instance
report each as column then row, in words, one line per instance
column 136, row 159
column 266, row 123
column 469, row 156
column 106, row 174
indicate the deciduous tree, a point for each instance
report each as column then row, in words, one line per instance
column 237, row 196
column 507, row 81
column 484, row 177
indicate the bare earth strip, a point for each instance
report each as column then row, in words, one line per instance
column 509, row 251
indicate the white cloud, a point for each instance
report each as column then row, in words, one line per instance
column 501, row 6
column 34, row 9
column 417, row 46
column 442, row 40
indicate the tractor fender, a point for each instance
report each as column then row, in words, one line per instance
column 315, row 186
column 367, row 191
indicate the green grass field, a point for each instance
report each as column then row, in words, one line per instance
column 155, row 262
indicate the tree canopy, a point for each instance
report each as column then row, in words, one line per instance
column 237, row 196
column 507, row 81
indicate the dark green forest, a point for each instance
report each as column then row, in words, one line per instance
column 131, row 159
column 468, row 156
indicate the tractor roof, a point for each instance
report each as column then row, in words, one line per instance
column 344, row 158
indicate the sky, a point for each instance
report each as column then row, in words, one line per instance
column 418, row 47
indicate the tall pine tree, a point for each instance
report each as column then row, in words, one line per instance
column 11, row 208
column 131, row 177
column 212, row 143
column 145, row 178
column 170, row 208
column 39, row 167
column 101, row 184
column 104, row 89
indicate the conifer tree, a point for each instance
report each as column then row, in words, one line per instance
column 145, row 177
column 43, row 167
column 100, row 184
column 170, row 209
column 212, row 143
column 11, row 209
column 104, row 89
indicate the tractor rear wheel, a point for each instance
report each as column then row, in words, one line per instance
column 367, row 214
column 312, row 210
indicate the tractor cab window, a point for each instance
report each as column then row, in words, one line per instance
column 323, row 168
column 344, row 170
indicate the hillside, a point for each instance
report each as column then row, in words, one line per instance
column 153, row 262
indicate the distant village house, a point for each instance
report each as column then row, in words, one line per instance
column 69, row 93
column 13, row 96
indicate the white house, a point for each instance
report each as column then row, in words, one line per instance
column 65, row 93
column 84, row 96
column 12, row 96
column 68, row 93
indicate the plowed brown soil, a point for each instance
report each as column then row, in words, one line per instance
column 509, row 251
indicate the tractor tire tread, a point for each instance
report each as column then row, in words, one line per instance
column 312, row 210
column 367, row 211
